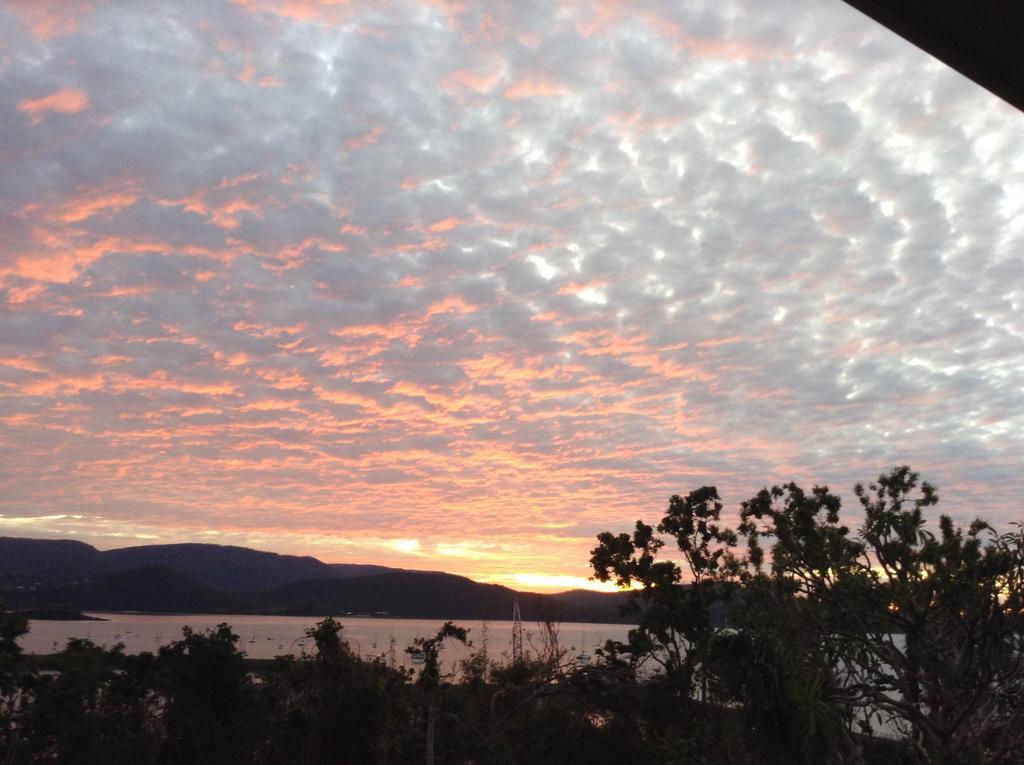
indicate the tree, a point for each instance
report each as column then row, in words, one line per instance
column 834, row 632
column 209, row 713
column 94, row 707
column 675, row 631
column 330, row 647
column 335, row 707
column 12, row 668
column 676, row 618
column 12, row 627
column 925, row 628
column 430, row 675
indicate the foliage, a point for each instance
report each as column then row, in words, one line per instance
column 675, row 627
column 335, row 703
column 430, row 677
column 478, row 667
column 833, row 632
column 12, row 626
column 924, row 628
column 12, row 669
column 428, row 648
column 93, row 708
column 208, row 698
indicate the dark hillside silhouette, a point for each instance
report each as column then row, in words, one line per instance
column 226, row 567
column 435, row 595
column 61, row 558
column 236, row 569
column 400, row 594
column 148, row 589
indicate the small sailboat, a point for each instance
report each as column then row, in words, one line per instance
column 583, row 657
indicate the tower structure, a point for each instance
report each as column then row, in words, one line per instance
column 517, row 633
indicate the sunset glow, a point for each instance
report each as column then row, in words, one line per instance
column 457, row 286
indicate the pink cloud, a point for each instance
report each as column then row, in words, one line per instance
column 103, row 201
column 330, row 11
column 481, row 83
column 366, row 139
column 535, row 89
column 445, row 225
column 51, row 18
column 63, row 101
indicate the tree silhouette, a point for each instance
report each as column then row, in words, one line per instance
column 208, row 697
column 832, row 630
column 926, row 628
column 430, row 675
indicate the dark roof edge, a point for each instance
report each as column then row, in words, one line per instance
column 981, row 40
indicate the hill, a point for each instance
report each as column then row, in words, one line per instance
column 235, row 569
column 153, row 589
column 58, row 574
column 399, row 594
column 429, row 595
column 228, row 568
column 49, row 558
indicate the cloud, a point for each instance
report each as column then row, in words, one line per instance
column 63, row 101
column 50, row 18
column 534, row 89
column 493, row 278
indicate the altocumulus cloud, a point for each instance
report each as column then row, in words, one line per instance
column 338, row 278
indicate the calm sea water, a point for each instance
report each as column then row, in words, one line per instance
column 264, row 637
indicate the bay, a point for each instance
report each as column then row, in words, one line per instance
column 264, row 637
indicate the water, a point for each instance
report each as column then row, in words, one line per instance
column 264, row 637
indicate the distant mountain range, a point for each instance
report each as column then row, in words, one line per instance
column 44, row 574
column 233, row 569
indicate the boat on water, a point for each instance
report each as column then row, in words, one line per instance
column 583, row 657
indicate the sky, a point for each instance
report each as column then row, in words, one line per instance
column 451, row 285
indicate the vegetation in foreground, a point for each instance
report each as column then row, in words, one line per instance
column 898, row 643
